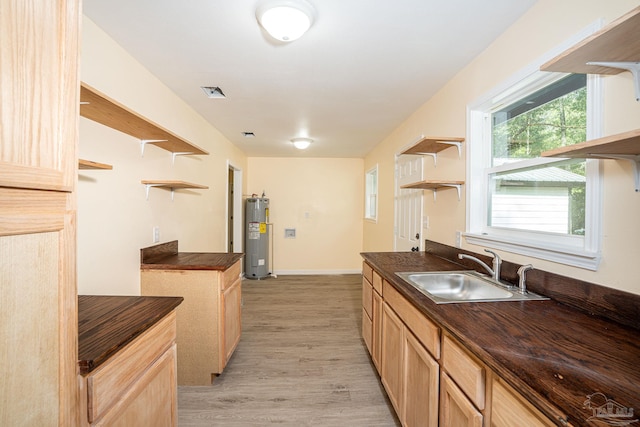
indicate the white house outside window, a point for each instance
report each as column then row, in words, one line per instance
column 371, row 194
column 520, row 201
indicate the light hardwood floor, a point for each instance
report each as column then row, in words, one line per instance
column 301, row 361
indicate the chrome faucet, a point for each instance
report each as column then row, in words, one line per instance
column 497, row 263
column 522, row 272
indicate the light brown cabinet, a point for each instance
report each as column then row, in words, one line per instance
column 391, row 370
column 408, row 372
column 509, row 408
column 367, row 322
column 136, row 386
column 430, row 378
column 420, row 384
column 38, row 161
column 376, row 330
column 208, row 320
column 455, row 409
column 232, row 317
column 372, row 313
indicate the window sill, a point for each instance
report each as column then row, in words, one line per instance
column 562, row 255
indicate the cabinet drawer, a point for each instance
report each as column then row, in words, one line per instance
column 424, row 329
column 111, row 381
column 367, row 271
column 230, row 275
column 377, row 282
column 468, row 373
column 367, row 297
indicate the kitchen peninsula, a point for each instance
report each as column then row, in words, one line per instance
column 127, row 360
column 209, row 320
column 562, row 361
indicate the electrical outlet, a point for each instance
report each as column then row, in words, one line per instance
column 156, row 234
column 458, row 239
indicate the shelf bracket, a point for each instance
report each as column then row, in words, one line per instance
column 633, row 67
column 456, row 186
column 144, row 142
column 635, row 162
column 179, row 153
column 148, row 187
column 456, row 143
column 434, row 155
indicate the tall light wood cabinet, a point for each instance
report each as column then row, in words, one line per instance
column 39, row 94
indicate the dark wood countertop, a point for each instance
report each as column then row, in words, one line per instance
column 554, row 354
column 192, row 261
column 166, row 256
column 106, row 324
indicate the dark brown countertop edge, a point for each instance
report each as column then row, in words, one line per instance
column 106, row 324
column 520, row 375
column 192, row 261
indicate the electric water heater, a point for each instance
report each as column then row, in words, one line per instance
column 256, row 247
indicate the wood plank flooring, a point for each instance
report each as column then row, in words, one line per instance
column 301, row 361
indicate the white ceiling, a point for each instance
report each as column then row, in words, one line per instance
column 362, row 69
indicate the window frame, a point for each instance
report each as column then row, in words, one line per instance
column 368, row 194
column 579, row 251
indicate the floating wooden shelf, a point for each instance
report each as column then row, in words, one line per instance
column 617, row 46
column 172, row 185
column 88, row 164
column 99, row 108
column 627, row 143
column 435, row 186
column 623, row 146
column 431, row 145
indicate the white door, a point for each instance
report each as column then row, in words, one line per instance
column 408, row 204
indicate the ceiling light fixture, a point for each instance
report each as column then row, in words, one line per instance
column 302, row 143
column 285, row 20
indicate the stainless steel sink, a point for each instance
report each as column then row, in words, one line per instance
column 445, row 287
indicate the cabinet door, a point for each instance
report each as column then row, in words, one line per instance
column 420, row 385
column 367, row 326
column 232, row 318
column 392, row 356
column 508, row 409
column 376, row 331
column 39, row 93
column 38, row 137
column 455, row 409
column 152, row 400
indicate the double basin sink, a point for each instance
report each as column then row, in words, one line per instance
column 444, row 287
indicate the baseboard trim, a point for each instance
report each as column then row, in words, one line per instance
column 315, row 272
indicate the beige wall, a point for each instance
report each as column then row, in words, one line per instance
column 323, row 199
column 114, row 219
column 548, row 24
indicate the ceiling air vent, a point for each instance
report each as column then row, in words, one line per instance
column 213, row 92
column 249, row 134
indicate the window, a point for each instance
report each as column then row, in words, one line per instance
column 523, row 203
column 371, row 194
